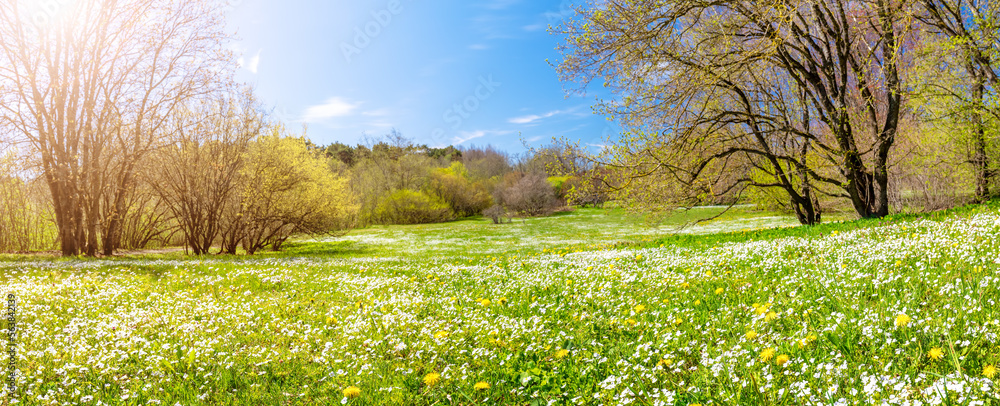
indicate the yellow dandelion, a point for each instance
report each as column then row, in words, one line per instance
column 440, row 334
column 709, row 273
column 782, row 359
column 481, row 386
column 560, row 354
column 502, row 301
column 935, row 353
column 664, row 363
column 695, row 404
column 719, row 291
column 485, row 302
column 678, row 321
column 352, row 391
column 902, row 320
column 767, row 354
column 631, row 322
column 990, row 371
column 697, row 302
column 770, row 316
column 685, row 285
column 432, row 379
column 751, row 335
column 639, row 308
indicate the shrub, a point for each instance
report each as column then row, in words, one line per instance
column 527, row 194
column 496, row 213
column 561, row 186
column 586, row 190
column 286, row 190
column 406, row 206
column 465, row 197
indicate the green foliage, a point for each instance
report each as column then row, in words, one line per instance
column 26, row 218
column 287, row 189
column 430, row 175
column 452, row 185
column 771, row 199
column 561, row 185
column 406, row 206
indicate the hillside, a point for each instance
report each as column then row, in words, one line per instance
column 898, row 311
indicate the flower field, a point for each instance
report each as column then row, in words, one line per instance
column 899, row 312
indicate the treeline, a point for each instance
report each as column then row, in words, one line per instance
column 398, row 182
column 122, row 129
column 222, row 179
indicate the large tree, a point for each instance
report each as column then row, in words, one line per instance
column 198, row 174
column 717, row 96
column 966, row 34
column 87, row 92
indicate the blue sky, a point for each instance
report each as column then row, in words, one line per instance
column 441, row 72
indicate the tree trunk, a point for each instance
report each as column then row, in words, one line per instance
column 980, row 160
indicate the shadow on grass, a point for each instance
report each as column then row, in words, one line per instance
column 819, row 230
column 317, row 249
column 320, row 249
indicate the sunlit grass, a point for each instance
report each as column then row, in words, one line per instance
column 473, row 313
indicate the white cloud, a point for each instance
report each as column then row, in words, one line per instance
column 532, row 118
column 533, row 27
column 333, row 107
column 254, row 62
column 466, row 136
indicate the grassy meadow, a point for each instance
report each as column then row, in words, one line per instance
column 591, row 307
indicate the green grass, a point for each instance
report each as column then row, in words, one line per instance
column 577, row 308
